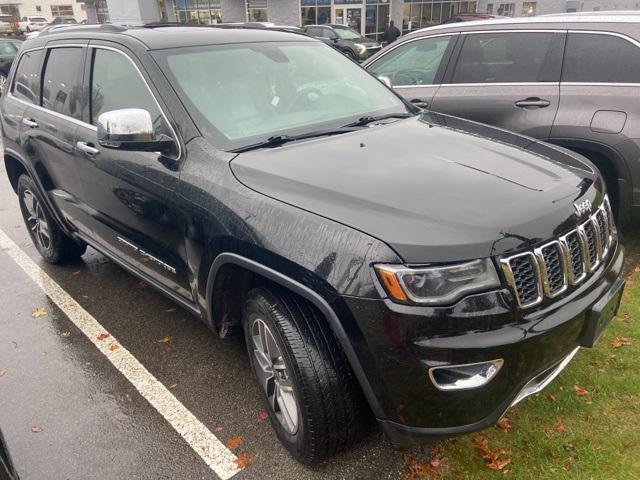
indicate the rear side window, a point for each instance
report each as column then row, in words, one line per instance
column 27, row 83
column 509, row 58
column 61, row 86
column 116, row 84
column 414, row 63
column 594, row 58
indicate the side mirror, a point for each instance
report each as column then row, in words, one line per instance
column 386, row 80
column 131, row 129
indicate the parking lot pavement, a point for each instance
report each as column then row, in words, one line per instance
column 72, row 407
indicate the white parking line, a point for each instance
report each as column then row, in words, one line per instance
column 215, row 454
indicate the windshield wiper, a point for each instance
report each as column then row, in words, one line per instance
column 277, row 140
column 361, row 122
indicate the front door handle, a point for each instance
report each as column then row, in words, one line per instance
column 87, row 148
column 532, row 102
column 420, row 103
column 28, row 122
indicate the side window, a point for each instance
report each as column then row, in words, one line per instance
column 594, row 58
column 314, row 31
column 508, row 57
column 61, row 84
column 328, row 33
column 116, row 84
column 413, row 63
column 27, row 83
column 7, row 48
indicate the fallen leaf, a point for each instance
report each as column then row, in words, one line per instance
column 35, row 429
column 103, row 335
column 217, row 429
column 85, row 296
column 114, row 346
column 142, row 284
column 234, row 442
column 165, row 339
column 44, row 354
column 263, row 416
column 76, row 273
column 620, row 341
column 495, row 460
column 551, row 398
column 580, row 391
column 559, row 426
column 243, row 460
column 168, row 350
column 65, row 334
column 504, row 424
column 173, row 386
column 170, row 310
column 39, row 312
column 3, row 371
column 637, row 269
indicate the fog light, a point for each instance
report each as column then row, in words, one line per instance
column 464, row 377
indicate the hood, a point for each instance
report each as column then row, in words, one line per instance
column 434, row 188
column 367, row 42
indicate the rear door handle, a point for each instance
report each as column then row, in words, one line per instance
column 28, row 122
column 420, row 103
column 87, row 148
column 534, row 102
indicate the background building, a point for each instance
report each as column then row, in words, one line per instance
column 44, row 8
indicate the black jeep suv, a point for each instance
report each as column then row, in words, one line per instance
column 427, row 269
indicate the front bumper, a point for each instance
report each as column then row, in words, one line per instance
column 401, row 343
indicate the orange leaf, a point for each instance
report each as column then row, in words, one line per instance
column 165, row 339
column 234, row 442
column 620, row 341
column 504, row 424
column 495, row 460
column 580, row 391
column 551, row 398
column 559, row 426
column 102, row 336
column 243, row 460
column 114, row 346
column 263, row 416
column 3, row 371
column 35, row 429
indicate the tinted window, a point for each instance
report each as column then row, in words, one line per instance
column 414, row 63
column 61, row 86
column 111, row 72
column 8, row 48
column 508, row 57
column 601, row 58
column 27, row 82
column 314, row 31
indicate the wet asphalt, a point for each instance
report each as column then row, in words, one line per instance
column 67, row 413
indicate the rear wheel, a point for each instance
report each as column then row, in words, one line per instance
column 52, row 243
column 311, row 396
column 3, row 81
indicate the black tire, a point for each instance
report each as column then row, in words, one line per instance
column 58, row 248
column 330, row 407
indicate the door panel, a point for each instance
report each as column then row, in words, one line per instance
column 506, row 79
column 131, row 195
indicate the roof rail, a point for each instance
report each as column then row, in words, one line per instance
column 105, row 27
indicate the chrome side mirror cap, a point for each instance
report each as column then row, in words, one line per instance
column 131, row 129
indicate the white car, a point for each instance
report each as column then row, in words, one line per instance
column 32, row 24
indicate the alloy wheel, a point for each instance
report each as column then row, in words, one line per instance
column 3, row 81
column 273, row 376
column 36, row 221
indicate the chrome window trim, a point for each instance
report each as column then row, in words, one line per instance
column 544, row 274
column 502, row 84
column 51, row 112
column 516, row 30
column 505, row 263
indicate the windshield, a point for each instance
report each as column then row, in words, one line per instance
column 241, row 94
column 38, row 19
column 347, row 33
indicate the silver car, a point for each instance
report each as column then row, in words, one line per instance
column 7, row 25
column 572, row 80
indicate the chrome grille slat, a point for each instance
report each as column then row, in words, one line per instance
column 551, row 268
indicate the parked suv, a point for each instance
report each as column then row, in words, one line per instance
column 571, row 80
column 344, row 39
column 8, row 25
column 30, row 24
column 427, row 269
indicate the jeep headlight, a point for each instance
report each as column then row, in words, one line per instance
column 438, row 285
column 360, row 48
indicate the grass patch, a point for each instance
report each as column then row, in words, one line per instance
column 558, row 434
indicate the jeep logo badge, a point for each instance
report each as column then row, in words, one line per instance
column 583, row 208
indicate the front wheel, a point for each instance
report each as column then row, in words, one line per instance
column 52, row 243
column 311, row 396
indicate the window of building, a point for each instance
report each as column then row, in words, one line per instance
column 490, row 8
column 203, row 12
column 102, row 11
column 315, row 12
column 61, row 89
column 376, row 18
column 257, row 11
column 62, row 10
column 27, row 83
column 507, row 9
column 508, row 58
column 426, row 13
column 529, row 9
column 413, row 63
column 593, row 58
column 38, row 8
